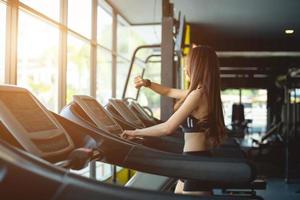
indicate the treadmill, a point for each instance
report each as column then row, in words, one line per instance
column 49, row 182
column 86, row 111
column 21, row 127
column 120, row 110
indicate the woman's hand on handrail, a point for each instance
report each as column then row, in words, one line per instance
column 128, row 134
column 140, row 82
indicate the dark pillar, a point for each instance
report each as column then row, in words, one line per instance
column 168, row 72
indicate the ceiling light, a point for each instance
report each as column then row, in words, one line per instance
column 289, row 31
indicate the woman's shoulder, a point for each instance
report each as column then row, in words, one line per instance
column 198, row 92
column 198, row 95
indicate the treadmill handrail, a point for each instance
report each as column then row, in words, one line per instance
column 132, row 62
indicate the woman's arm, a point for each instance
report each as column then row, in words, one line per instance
column 168, row 127
column 162, row 90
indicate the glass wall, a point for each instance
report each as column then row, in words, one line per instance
column 229, row 97
column 38, row 59
column 78, row 68
column 130, row 37
column 255, row 103
column 123, row 31
column 295, row 95
column 104, row 75
column 104, row 25
column 104, row 52
column 136, row 71
column 41, row 58
column 2, row 40
column 79, row 16
column 255, row 106
column 50, row 8
column 122, row 70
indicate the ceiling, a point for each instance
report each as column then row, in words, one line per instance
column 241, row 18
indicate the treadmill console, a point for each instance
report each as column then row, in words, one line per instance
column 126, row 113
column 31, row 124
column 138, row 108
column 94, row 110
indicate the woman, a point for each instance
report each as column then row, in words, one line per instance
column 198, row 111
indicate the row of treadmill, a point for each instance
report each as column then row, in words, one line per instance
column 38, row 148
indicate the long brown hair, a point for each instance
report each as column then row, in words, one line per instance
column 203, row 69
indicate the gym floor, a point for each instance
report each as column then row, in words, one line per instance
column 277, row 189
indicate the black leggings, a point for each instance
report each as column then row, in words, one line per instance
column 193, row 185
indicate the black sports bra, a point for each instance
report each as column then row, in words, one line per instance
column 191, row 124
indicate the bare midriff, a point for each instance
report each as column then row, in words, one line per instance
column 195, row 141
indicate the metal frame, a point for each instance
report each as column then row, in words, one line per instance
column 114, row 74
column 168, row 71
column 93, row 71
column 62, row 71
column 114, row 56
column 93, row 58
column 133, row 58
column 147, row 60
column 11, row 59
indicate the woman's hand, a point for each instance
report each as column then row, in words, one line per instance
column 139, row 82
column 129, row 134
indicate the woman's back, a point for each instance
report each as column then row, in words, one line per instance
column 196, row 124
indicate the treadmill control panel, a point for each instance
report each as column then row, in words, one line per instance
column 126, row 113
column 94, row 110
column 21, row 107
column 138, row 108
column 32, row 125
column 53, row 144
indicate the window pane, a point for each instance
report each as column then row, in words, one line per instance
column 122, row 70
column 104, row 26
column 130, row 37
column 47, row 7
column 123, row 32
column 148, row 97
column 78, row 69
column 38, row 59
column 147, row 34
column 79, row 16
column 137, row 70
column 2, row 40
column 255, row 104
column 295, row 94
column 104, row 75
column 229, row 97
